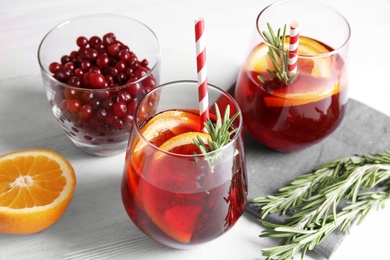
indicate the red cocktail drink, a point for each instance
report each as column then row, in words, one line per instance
column 174, row 193
column 289, row 116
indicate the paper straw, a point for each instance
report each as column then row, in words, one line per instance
column 293, row 49
column 202, row 72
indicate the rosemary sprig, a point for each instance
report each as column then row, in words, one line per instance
column 278, row 55
column 315, row 201
column 220, row 133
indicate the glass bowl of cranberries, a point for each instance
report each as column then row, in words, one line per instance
column 95, row 69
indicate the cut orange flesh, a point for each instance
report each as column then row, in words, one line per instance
column 36, row 187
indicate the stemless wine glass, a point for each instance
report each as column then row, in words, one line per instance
column 173, row 195
column 95, row 68
column 292, row 116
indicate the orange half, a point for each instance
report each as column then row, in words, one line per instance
column 36, row 187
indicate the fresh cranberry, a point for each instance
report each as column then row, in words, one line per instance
column 102, row 114
column 79, row 72
column 141, row 71
column 65, row 59
column 91, row 54
column 121, row 77
column 72, row 105
column 113, row 49
column 120, row 109
column 120, row 66
column 82, row 41
column 74, row 81
column 124, row 55
column 109, row 38
column 70, row 66
column 131, row 107
column 124, row 96
column 54, row 67
column 86, row 112
column 94, row 40
column 63, row 74
column 103, row 60
column 86, row 97
column 133, row 88
column 95, row 103
column 97, row 80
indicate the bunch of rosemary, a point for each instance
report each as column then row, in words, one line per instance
column 316, row 201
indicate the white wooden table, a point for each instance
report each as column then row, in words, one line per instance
column 96, row 226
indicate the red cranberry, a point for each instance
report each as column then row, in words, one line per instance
column 102, row 114
column 74, row 81
column 94, row 40
column 86, row 112
column 82, row 41
column 97, row 80
column 70, row 66
column 141, row 71
column 131, row 107
column 65, row 59
column 54, row 67
column 124, row 96
column 134, row 88
column 113, row 49
column 91, row 54
column 109, row 38
column 72, row 105
column 120, row 109
column 102, row 60
column 86, row 65
column 79, row 72
column 63, row 74
column 120, row 65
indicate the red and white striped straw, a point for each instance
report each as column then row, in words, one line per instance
column 293, row 48
column 202, row 72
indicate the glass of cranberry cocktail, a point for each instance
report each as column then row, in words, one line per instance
column 290, row 110
column 171, row 190
column 95, row 69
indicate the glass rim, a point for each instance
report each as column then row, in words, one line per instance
column 327, row 54
column 195, row 83
column 48, row 74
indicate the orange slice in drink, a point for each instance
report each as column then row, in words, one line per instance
column 310, row 64
column 319, row 66
column 176, row 219
column 259, row 61
column 184, row 144
column 180, row 221
column 36, row 187
column 300, row 94
column 166, row 125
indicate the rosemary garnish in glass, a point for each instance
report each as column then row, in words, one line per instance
column 278, row 54
column 220, row 133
